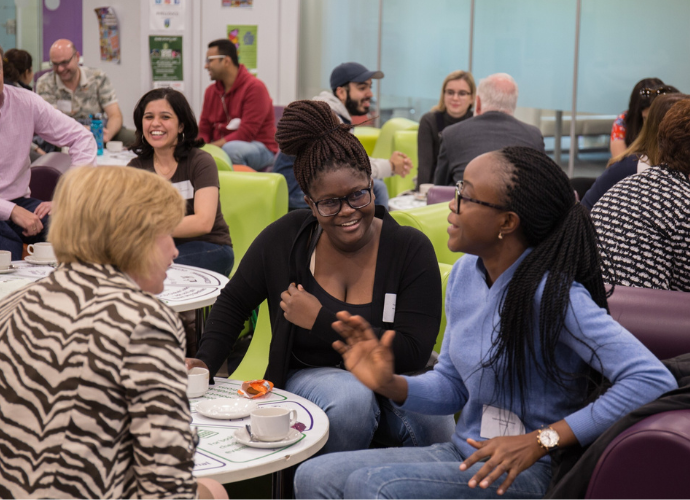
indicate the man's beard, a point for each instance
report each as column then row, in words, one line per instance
column 353, row 106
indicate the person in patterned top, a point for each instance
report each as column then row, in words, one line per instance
column 79, row 91
column 93, row 396
column 643, row 222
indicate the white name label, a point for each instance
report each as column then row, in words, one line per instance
column 234, row 124
column 185, row 188
column 64, row 105
column 498, row 422
column 389, row 308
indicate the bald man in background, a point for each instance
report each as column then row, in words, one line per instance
column 493, row 127
column 79, row 91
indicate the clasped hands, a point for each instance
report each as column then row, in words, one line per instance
column 300, row 307
column 400, row 163
column 30, row 222
column 371, row 361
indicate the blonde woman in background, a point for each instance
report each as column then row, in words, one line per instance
column 454, row 105
column 93, row 393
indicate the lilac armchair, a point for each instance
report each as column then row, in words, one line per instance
column 440, row 194
column 649, row 459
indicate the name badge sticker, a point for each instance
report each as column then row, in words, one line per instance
column 234, row 124
column 185, row 188
column 498, row 422
column 389, row 308
column 64, row 105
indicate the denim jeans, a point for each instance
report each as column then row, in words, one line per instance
column 11, row 237
column 381, row 193
column 218, row 258
column 357, row 415
column 253, row 154
column 430, row 472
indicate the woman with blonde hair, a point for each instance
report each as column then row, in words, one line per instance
column 93, row 394
column 455, row 105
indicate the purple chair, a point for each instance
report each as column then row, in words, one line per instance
column 59, row 161
column 278, row 112
column 649, row 460
column 440, row 194
column 43, row 182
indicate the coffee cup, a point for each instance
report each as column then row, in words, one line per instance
column 197, row 382
column 272, row 423
column 114, row 146
column 424, row 189
column 41, row 251
column 5, row 259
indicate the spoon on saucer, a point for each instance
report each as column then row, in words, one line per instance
column 249, row 431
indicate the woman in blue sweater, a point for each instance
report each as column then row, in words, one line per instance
column 527, row 343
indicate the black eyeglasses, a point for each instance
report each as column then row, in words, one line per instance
column 647, row 92
column 459, row 196
column 459, row 93
column 63, row 63
column 357, row 199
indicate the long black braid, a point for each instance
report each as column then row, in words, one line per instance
column 312, row 132
column 564, row 246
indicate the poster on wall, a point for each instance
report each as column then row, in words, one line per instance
column 165, row 53
column 238, row 3
column 108, row 34
column 166, row 15
column 245, row 38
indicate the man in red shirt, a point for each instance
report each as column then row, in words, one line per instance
column 238, row 112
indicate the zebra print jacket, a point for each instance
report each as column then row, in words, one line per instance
column 92, row 390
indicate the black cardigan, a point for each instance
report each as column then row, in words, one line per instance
column 406, row 265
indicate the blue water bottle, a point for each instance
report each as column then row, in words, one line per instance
column 97, row 131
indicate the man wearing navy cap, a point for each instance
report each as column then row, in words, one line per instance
column 351, row 96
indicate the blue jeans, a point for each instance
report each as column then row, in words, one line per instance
column 254, row 154
column 218, row 258
column 430, row 472
column 11, row 237
column 381, row 193
column 358, row 416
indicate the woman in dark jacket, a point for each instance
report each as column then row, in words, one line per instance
column 454, row 105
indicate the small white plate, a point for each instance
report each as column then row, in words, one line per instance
column 33, row 260
column 8, row 270
column 226, row 408
column 243, row 438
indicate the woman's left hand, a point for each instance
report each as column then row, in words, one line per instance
column 508, row 454
column 300, row 307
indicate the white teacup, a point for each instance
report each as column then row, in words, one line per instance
column 41, row 251
column 197, row 382
column 5, row 259
column 272, row 424
column 114, row 146
column 424, row 189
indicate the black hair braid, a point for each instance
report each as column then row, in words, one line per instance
column 564, row 245
column 311, row 131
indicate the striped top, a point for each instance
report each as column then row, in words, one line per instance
column 643, row 224
column 92, row 390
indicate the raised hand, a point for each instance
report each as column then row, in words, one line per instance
column 368, row 358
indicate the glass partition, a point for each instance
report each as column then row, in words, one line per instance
column 421, row 43
column 624, row 41
column 534, row 42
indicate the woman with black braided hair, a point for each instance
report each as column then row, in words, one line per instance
column 343, row 253
column 528, row 332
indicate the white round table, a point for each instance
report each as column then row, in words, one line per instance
column 120, row 159
column 186, row 288
column 221, row 457
column 405, row 201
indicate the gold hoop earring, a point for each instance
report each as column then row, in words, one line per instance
column 500, row 236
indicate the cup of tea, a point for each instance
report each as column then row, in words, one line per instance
column 41, row 251
column 197, row 382
column 5, row 259
column 114, row 146
column 272, row 423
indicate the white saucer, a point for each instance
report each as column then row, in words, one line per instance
column 8, row 270
column 243, row 438
column 41, row 262
column 226, row 408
